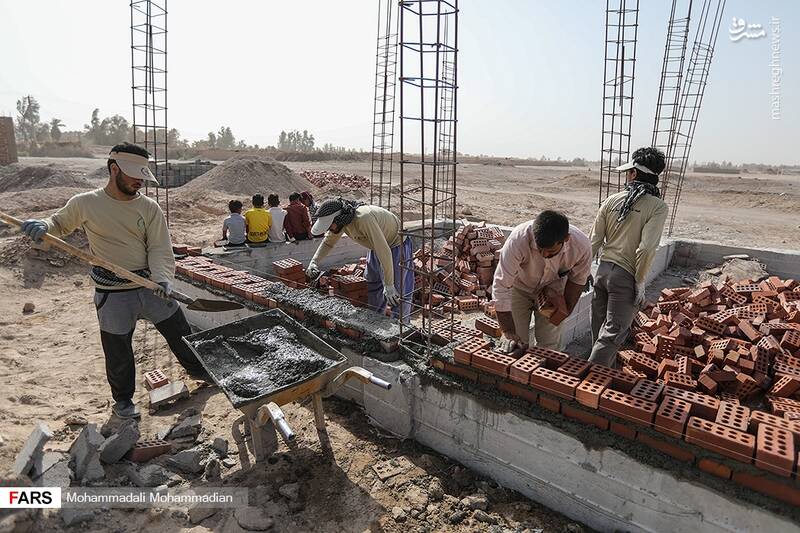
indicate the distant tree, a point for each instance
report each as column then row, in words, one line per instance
column 283, row 141
column 212, row 140
column 225, row 138
column 28, row 119
column 108, row 131
column 55, row 129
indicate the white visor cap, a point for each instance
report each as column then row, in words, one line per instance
column 633, row 164
column 134, row 166
column 324, row 223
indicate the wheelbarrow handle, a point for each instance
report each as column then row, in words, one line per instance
column 380, row 382
column 285, row 430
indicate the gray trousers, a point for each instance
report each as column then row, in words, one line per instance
column 612, row 311
column 523, row 306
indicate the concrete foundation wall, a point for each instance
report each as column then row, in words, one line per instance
column 781, row 263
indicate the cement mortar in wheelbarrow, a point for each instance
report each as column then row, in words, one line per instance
column 268, row 360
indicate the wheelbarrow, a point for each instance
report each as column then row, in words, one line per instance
column 261, row 406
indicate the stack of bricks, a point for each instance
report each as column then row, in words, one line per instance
column 687, row 389
column 290, row 272
column 472, row 253
column 8, row 144
column 351, row 287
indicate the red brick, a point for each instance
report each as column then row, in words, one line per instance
column 554, row 359
column 551, row 404
column 436, row 363
column 350, row 332
column 673, row 450
column 723, row 440
column 488, row 326
column 667, row 365
column 525, row 393
column 785, row 386
column 460, row 371
column 154, row 379
column 680, row 381
column 589, row 391
column 521, row 369
column 619, row 380
column 703, row 406
column 584, row 416
column 463, row 352
column 775, row 450
column 145, row 450
column 707, row 385
column 672, row 415
column 644, row 364
column 714, row 468
column 555, row 382
column 627, row 406
column 575, row 367
column 623, row 430
column 492, row 362
column 733, row 415
column 785, row 492
column 761, row 417
column 647, row 390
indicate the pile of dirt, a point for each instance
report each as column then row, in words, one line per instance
column 37, row 202
column 19, row 177
column 578, row 181
column 245, row 175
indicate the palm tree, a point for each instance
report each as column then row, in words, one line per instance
column 55, row 129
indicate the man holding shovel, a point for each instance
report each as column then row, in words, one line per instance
column 128, row 228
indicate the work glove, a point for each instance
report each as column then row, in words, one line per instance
column 512, row 346
column 638, row 300
column 312, row 271
column 35, row 229
column 165, row 291
column 391, row 296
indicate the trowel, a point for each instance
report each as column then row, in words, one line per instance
column 194, row 304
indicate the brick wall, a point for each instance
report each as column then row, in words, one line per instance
column 8, row 144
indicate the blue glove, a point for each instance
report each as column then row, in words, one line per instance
column 165, row 291
column 35, row 229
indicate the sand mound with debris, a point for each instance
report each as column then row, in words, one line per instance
column 18, row 177
column 245, row 175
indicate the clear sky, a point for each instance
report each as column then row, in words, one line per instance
column 530, row 72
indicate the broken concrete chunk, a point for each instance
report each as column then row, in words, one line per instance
column 46, row 462
column 290, row 491
column 168, row 393
column 188, row 427
column 220, row 446
column 76, row 515
column 32, row 449
column 148, row 476
column 198, row 514
column 58, row 475
column 117, row 445
column 85, row 454
column 253, row 519
column 189, row 461
column 475, row 501
column 28, row 308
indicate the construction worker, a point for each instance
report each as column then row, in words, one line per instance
column 125, row 227
column 258, row 221
column 543, row 256
column 625, row 234
column 379, row 230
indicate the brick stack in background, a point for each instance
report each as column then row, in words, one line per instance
column 323, row 178
column 8, row 143
column 290, row 272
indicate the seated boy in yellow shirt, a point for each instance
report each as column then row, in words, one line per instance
column 258, row 220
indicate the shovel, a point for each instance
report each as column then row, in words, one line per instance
column 199, row 304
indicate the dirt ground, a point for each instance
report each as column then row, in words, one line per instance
column 51, row 362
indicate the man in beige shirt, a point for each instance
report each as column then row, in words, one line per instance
column 625, row 234
column 378, row 230
column 545, row 256
column 127, row 228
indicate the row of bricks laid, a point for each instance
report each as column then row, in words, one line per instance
column 251, row 288
column 607, row 409
column 725, row 427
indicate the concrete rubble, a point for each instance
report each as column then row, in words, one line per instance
column 85, row 455
column 148, row 476
column 117, row 445
column 189, row 461
column 31, row 452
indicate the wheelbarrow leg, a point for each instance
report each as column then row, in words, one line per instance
column 264, row 438
column 319, row 421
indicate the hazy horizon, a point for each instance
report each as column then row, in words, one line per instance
column 530, row 73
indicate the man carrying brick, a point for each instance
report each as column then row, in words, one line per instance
column 129, row 229
column 546, row 261
column 625, row 235
column 378, row 229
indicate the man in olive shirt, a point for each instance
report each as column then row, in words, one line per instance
column 127, row 228
column 377, row 229
column 626, row 233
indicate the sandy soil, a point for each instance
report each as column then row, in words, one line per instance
column 51, row 362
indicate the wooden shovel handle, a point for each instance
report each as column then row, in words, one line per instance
column 86, row 256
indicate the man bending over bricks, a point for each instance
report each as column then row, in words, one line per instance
column 125, row 227
column 379, row 230
column 626, row 233
column 545, row 259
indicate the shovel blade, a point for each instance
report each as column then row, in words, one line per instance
column 213, row 306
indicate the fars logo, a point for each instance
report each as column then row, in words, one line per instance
column 30, row 497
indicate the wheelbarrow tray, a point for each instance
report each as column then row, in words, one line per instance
column 305, row 386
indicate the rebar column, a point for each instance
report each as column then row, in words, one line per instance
column 149, row 89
